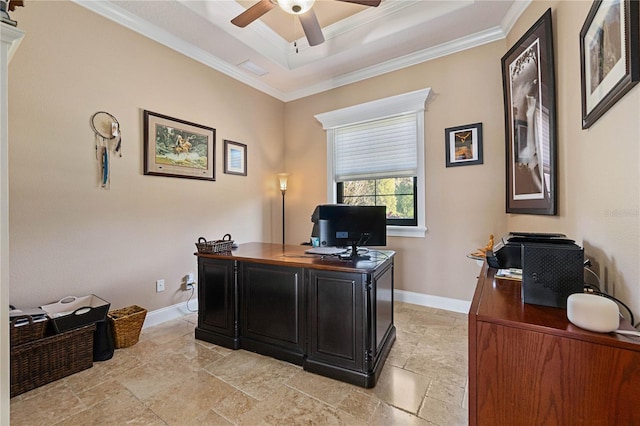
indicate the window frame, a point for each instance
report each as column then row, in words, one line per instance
column 412, row 102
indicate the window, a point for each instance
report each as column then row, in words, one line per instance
column 375, row 156
column 398, row 194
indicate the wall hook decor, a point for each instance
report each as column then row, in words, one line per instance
column 107, row 138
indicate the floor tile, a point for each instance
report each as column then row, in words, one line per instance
column 287, row 406
column 401, row 388
column 327, row 390
column 170, row 378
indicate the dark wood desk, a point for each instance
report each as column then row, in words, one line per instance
column 333, row 317
column 528, row 365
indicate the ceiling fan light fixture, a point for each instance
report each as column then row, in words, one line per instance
column 295, row 7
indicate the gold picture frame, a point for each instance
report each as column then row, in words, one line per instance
column 178, row 148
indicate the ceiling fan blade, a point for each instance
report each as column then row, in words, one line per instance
column 372, row 3
column 311, row 28
column 253, row 13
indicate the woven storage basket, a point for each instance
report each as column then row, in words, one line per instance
column 218, row 246
column 126, row 324
column 21, row 334
column 51, row 358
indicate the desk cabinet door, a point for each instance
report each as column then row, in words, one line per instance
column 217, row 296
column 272, row 309
column 336, row 319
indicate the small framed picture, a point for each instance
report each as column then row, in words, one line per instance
column 463, row 145
column 235, row 158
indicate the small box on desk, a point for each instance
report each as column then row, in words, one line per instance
column 551, row 273
column 73, row 312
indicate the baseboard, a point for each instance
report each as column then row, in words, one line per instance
column 448, row 304
column 180, row 309
column 169, row 313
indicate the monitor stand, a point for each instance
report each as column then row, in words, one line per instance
column 353, row 255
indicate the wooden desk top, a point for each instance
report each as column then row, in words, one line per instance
column 295, row 256
column 500, row 301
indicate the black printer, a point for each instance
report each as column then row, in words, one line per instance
column 507, row 252
column 552, row 265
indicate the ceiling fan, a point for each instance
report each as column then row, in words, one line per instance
column 302, row 8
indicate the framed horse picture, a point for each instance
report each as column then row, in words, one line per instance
column 178, row 148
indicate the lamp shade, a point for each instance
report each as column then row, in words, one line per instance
column 282, row 177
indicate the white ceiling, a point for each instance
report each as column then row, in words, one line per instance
column 369, row 42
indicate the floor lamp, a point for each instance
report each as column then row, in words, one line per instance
column 283, row 189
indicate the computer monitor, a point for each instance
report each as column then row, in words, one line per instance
column 343, row 225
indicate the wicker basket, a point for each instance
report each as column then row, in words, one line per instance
column 219, row 246
column 126, row 324
column 51, row 358
column 21, row 334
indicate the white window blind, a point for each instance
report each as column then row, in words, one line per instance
column 377, row 149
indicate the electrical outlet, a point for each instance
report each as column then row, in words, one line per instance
column 189, row 286
column 159, row 286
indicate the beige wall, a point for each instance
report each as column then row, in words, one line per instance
column 599, row 178
column 598, row 168
column 463, row 204
column 67, row 236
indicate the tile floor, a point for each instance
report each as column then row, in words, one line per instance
column 169, row 378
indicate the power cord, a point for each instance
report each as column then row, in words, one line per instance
column 193, row 290
column 589, row 288
column 618, row 301
column 594, row 274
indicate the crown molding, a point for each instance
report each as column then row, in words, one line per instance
column 279, row 51
column 425, row 55
column 12, row 36
column 132, row 22
column 510, row 19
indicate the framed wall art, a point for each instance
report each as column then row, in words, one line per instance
column 609, row 56
column 178, row 148
column 528, row 79
column 235, row 158
column 463, row 145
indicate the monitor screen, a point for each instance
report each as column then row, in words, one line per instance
column 342, row 225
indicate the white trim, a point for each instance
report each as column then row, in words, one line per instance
column 464, row 43
column 180, row 310
column 134, row 23
column 448, row 304
column 169, row 313
column 421, row 184
column 278, row 50
column 13, row 36
column 10, row 38
column 407, row 231
column 375, row 110
column 331, row 172
column 517, row 8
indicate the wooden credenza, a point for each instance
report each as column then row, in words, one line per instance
column 333, row 317
column 528, row 365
